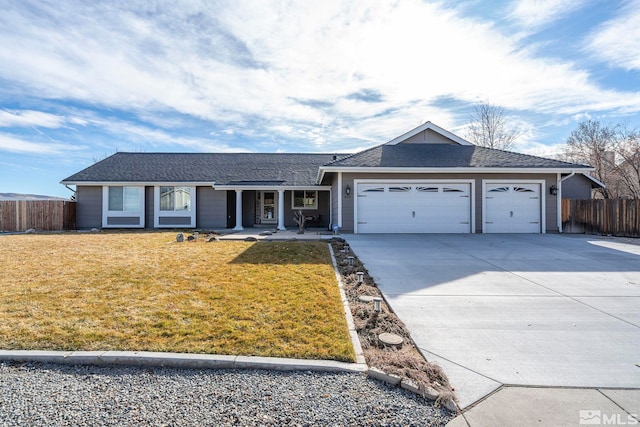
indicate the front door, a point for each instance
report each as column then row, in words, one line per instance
column 269, row 207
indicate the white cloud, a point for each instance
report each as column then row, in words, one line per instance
column 288, row 68
column 617, row 41
column 13, row 144
column 538, row 13
column 22, row 118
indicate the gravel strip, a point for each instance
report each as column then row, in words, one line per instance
column 64, row 395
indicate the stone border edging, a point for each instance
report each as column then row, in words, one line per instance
column 353, row 334
column 177, row 360
column 378, row 374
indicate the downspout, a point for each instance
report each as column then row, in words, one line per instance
column 330, row 208
column 72, row 190
column 340, row 199
column 560, row 181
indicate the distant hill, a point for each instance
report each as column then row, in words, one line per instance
column 16, row 196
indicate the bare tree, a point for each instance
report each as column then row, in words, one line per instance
column 627, row 167
column 488, row 127
column 594, row 144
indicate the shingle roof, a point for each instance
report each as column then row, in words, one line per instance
column 445, row 156
column 222, row 168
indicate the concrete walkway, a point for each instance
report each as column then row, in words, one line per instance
column 557, row 314
column 269, row 234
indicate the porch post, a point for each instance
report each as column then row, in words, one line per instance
column 281, row 210
column 238, row 226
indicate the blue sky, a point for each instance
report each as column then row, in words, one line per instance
column 81, row 80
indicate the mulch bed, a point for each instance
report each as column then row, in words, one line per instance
column 405, row 362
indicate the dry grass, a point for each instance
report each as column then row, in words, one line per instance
column 143, row 291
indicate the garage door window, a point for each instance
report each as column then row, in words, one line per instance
column 427, row 189
column 499, row 190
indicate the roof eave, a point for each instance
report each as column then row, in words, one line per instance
column 357, row 169
column 140, row 183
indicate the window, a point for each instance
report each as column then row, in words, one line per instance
column 175, row 199
column 305, row 199
column 124, row 199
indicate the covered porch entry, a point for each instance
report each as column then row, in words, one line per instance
column 274, row 207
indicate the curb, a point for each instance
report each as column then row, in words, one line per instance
column 177, row 360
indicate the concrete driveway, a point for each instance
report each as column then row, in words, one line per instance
column 535, row 310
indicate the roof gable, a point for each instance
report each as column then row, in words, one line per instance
column 428, row 133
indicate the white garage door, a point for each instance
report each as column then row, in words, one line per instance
column 413, row 208
column 512, row 208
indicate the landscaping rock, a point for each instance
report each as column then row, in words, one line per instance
column 191, row 239
column 57, row 395
column 250, row 239
column 366, row 298
column 180, row 238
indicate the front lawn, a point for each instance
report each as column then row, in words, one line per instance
column 145, row 292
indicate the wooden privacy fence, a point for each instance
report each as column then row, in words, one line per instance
column 618, row 217
column 49, row 215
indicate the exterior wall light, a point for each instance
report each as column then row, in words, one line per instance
column 553, row 190
column 347, row 190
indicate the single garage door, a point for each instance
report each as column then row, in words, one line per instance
column 413, row 208
column 512, row 208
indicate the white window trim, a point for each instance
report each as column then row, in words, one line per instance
column 293, row 198
column 543, row 196
column 157, row 213
column 106, row 213
column 472, row 194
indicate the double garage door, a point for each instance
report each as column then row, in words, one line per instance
column 445, row 207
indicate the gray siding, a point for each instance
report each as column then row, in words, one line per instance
column 148, row 207
column 248, row 208
column 89, row 207
column 577, row 187
column 550, row 201
column 428, row 137
column 211, row 208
